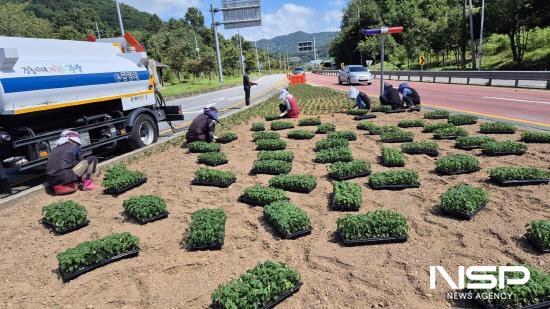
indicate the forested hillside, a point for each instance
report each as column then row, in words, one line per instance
column 289, row 43
column 514, row 34
column 171, row 42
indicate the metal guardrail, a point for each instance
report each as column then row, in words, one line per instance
column 468, row 75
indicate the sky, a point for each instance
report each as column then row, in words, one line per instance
column 279, row 16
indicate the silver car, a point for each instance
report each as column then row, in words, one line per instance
column 355, row 74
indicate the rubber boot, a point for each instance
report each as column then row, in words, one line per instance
column 88, row 185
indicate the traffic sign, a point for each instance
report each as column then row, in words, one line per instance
column 369, row 62
column 421, row 60
column 342, row 65
column 241, row 13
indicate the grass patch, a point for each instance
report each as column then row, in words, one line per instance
column 200, row 147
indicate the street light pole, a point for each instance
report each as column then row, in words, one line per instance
column 257, row 58
column 481, row 34
column 215, row 26
column 472, row 44
column 382, row 40
column 241, row 47
column 119, row 18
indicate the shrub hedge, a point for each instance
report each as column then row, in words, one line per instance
column 64, row 215
column 349, row 170
column 258, row 127
column 503, row 148
column 324, row 128
column 535, row 137
column 281, row 125
column 424, row 147
column 294, row 183
column 256, row 288
column 349, row 135
column 437, row 115
column 271, row 167
column 207, row 229
column 331, row 143
column 301, row 134
column 411, row 123
column 346, row 195
column 144, row 207
column 396, row 137
column 279, row 155
column 378, row 224
column 309, row 122
column 200, row 147
column 270, row 144
column 392, row 157
column 497, row 128
column 463, row 201
column 286, row 218
column 216, row 178
column 460, row 120
column 212, row 158
column 457, row 164
column 471, row 142
column 261, row 196
column 331, row 155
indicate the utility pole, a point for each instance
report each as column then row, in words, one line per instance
column 359, row 23
column 215, row 26
column 241, row 47
column 472, row 36
column 280, row 59
column 257, row 58
column 196, row 45
column 481, row 34
column 382, row 39
column 268, row 59
column 97, row 28
column 119, row 18
column 314, row 54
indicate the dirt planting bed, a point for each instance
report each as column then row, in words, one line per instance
column 166, row 275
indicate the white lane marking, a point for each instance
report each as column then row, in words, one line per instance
column 199, row 107
column 233, row 98
column 518, row 100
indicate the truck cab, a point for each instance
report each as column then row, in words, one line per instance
column 99, row 88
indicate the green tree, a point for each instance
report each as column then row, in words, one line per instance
column 194, row 18
column 69, row 33
column 15, row 20
column 154, row 24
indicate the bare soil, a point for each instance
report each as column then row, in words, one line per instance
column 165, row 275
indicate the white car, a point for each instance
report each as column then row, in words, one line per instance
column 355, row 74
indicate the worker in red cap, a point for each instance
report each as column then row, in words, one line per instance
column 67, row 166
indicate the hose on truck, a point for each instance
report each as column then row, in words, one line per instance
column 161, row 104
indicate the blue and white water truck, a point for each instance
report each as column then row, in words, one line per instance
column 101, row 89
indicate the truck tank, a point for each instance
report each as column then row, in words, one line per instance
column 42, row 74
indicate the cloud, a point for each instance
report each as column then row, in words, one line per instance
column 164, row 8
column 290, row 18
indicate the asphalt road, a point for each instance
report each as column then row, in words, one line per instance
column 521, row 106
column 227, row 100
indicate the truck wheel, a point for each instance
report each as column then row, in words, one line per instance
column 144, row 132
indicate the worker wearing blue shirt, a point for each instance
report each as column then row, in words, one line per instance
column 410, row 96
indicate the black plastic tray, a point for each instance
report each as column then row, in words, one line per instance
column 464, row 217
column 537, row 245
column 161, row 216
column 205, row 247
column 125, row 189
column 394, row 111
column 333, row 207
column 446, row 137
column 468, row 147
column 372, row 241
column 295, row 234
column 394, row 187
column 364, row 117
column 397, row 141
column 524, row 182
column 213, row 164
column 283, row 297
column 484, row 304
column 457, row 173
column 200, row 183
column 432, row 154
column 437, row 117
column 70, row 276
column 504, row 153
column 243, row 200
column 49, row 225
column 350, row 177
